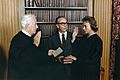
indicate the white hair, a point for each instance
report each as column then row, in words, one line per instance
column 27, row 19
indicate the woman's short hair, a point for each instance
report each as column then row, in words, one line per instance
column 91, row 20
column 27, row 19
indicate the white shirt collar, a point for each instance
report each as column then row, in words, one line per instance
column 26, row 33
column 60, row 35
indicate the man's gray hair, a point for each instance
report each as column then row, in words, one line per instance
column 27, row 19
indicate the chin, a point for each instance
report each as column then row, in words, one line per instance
column 64, row 30
column 86, row 33
column 34, row 32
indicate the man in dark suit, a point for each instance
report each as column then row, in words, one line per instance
column 24, row 56
column 63, row 40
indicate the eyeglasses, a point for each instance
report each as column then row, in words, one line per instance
column 63, row 23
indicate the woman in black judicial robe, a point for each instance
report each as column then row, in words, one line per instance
column 88, row 50
column 2, row 64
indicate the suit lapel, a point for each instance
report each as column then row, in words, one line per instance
column 68, row 36
column 58, row 39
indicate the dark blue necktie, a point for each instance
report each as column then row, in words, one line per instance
column 63, row 38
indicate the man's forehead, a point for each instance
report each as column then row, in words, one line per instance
column 62, row 20
column 85, row 22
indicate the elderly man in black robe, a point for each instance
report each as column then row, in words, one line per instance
column 24, row 54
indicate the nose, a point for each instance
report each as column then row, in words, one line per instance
column 36, row 26
column 83, row 28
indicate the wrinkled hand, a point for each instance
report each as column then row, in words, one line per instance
column 50, row 52
column 75, row 33
column 60, row 58
column 36, row 39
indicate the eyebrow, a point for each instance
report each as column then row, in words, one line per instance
column 62, row 22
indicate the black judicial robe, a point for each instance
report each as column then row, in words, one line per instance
column 24, row 59
column 2, row 64
column 60, row 71
column 88, row 51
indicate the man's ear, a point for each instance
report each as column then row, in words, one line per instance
column 57, row 26
column 26, row 26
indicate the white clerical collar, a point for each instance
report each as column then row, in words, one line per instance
column 26, row 33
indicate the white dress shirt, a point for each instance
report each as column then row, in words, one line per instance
column 60, row 35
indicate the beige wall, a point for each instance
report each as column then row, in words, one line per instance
column 8, row 22
column 102, row 12
column 10, row 10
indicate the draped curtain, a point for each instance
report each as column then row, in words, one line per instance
column 114, row 34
